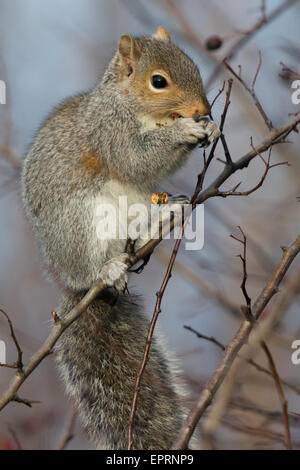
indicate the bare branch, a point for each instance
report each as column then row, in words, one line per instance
column 24, row 401
column 234, row 347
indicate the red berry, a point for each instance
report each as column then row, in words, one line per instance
column 213, row 43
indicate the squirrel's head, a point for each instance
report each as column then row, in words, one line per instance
column 163, row 78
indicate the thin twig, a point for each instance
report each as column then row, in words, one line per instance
column 218, row 94
column 187, row 30
column 251, row 90
column 24, row 401
column 223, row 118
column 243, row 258
column 19, row 363
column 207, row 338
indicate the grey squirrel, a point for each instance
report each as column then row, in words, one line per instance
column 120, row 139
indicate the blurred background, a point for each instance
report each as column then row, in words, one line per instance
column 51, row 50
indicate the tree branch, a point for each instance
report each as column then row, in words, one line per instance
column 234, row 347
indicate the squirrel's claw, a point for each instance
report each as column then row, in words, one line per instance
column 204, row 143
column 203, row 131
column 178, row 199
column 212, row 132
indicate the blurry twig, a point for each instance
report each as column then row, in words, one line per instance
column 218, row 94
column 288, row 73
column 208, row 338
column 9, row 155
column 187, row 29
column 248, row 406
column 67, row 434
column 6, row 150
column 15, row 438
column 139, row 11
column 283, row 400
column 253, row 363
column 255, row 431
column 251, row 90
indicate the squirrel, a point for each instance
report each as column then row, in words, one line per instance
column 120, row 139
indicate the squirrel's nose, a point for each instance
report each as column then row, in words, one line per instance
column 197, row 116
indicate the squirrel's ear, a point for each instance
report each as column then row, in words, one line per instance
column 129, row 52
column 162, row 34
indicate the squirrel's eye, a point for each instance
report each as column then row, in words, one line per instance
column 158, row 81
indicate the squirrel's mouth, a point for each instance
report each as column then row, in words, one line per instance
column 197, row 117
column 176, row 116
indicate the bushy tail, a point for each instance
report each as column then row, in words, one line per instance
column 99, row 356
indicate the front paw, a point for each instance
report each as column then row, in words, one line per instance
column 194, row 132
column 211, row 130
column 114, row 272
column 190, row 131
